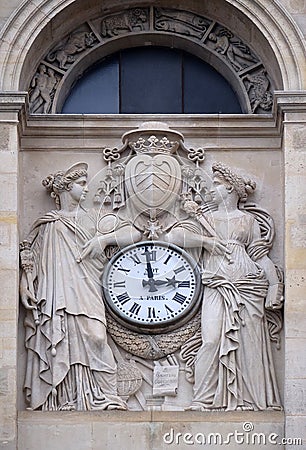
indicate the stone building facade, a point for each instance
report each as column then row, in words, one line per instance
column 268, row 141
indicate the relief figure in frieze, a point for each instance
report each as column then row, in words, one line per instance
column 234, row 366
column 70, row 365
column 66, row 52
column 43, row 87
column 238, row 54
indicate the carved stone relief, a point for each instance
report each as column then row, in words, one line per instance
column 212, row 36
column 43, row 87
column 181, row 22
column 131, row 21
column 66, row 52
column 257, row 84
column 160, row 294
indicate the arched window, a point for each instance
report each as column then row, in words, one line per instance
column 152, row 80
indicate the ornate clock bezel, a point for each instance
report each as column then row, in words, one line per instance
column 167, row 325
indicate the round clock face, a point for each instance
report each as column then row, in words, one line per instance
column 152, row 285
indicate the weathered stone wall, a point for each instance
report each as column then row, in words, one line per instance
column 294, row 141
column 9, row 305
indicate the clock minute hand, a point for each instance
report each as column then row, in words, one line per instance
column 172, row 281
column 149, row 270
column 151, row 281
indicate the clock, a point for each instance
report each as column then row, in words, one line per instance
column 152, row 286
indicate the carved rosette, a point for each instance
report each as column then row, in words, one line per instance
column 53, row 69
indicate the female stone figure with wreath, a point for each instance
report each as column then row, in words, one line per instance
column 233, row 369
column 70, row 365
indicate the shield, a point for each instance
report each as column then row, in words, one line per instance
column 153, row 182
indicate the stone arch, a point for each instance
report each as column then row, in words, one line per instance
column 159, row 39
column 30, row 32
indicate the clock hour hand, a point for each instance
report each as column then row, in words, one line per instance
column 172, row 281
column 169, row 282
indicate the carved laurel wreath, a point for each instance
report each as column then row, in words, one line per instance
column 152, row 346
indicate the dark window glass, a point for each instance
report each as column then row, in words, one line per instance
column 97, row 91
column 153, row 80
column 205, row 90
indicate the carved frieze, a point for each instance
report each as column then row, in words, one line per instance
column 43, row 88
column 257, row 84
column 236, row 53
column 180, row 22
column 133, row 20
column 214, row 37
column 67, row 51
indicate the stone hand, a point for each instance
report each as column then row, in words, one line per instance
column 26, row 289
column 27, row 298
column 217, row 247
column 275, row 297
column 93, row 248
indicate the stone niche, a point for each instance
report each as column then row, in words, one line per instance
column 148, row 185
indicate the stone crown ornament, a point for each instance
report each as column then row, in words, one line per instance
column 153, row 138
column 153, row 144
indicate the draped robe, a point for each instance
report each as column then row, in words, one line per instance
column 234, row 366
column 69, row 362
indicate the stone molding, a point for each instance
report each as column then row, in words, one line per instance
column 290, row 101
column 281, row 30
column 12, row 101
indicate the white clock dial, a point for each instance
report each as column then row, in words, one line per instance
column 150, row 285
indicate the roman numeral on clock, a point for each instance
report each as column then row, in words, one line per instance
column 122, row 269
column 123, row 298
column 136, row 259
column 167, row 259
column 179, row 298
column 119, row 284
column 179, row 269
column 168, row 309
column 184, row 284
column 150, row 255
column 151, row 312
column 135, row 309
